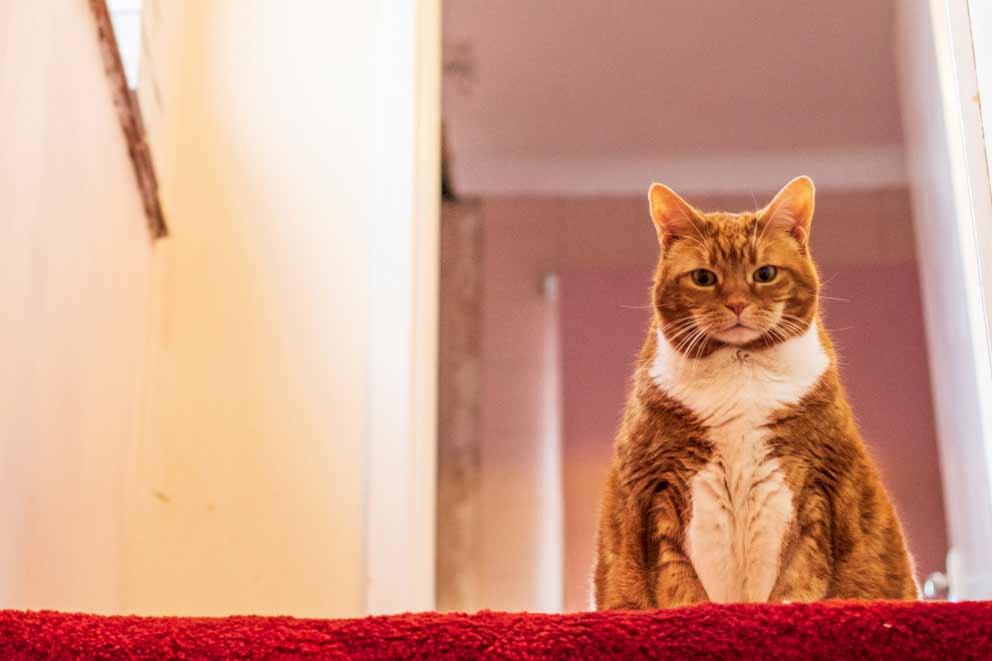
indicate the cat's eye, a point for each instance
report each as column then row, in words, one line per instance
column 765, row 273
column 703, row 278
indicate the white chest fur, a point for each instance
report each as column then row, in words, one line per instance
column 741, row 504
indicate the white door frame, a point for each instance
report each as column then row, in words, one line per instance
column 947, row 162
column 400, row 480
column 977, row 73
column 961, row 32
column 956, row 30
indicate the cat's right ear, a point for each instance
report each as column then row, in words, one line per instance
column 673, row 217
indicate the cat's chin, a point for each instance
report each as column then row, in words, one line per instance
column 737, row 335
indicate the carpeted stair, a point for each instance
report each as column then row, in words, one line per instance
column 840, row 630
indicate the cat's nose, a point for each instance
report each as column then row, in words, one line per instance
column 736, row 306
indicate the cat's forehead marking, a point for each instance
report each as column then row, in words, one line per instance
column 732, row 237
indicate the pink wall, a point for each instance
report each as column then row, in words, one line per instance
column 603, row 320
column 880, row 339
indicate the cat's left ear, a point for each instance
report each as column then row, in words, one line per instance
column 673, row 217
column 792, row 209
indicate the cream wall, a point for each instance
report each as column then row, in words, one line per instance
column 75, row 262
column 240, row 418
column 288, row 457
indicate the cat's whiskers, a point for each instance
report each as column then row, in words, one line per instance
column 697, row 343
column 791, row 326
column 785, row 316
column 688, row 328
column 798, row 322
column 676, row 328
column 681, row 333
column 775, row 334
column 679, row 322
column 820, row 294
column 832, row 298
column 678, row 349
column 684, row 342
column 685, row 348
column 684, row 363
column 824, row 284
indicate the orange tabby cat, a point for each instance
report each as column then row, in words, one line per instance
column 738, row 472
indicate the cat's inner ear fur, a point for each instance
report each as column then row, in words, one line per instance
column 791, row 210
column 673, row 217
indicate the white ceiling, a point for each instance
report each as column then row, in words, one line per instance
column 603, row 95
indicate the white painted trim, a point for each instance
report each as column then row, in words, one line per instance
column 402, row 438
column 427, row 287
column 980, row 14
column 951, row 196
column 977, row 126
column 865, row 168
column 970, row 177
column 550, row 505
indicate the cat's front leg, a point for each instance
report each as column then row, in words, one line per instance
column 678, row 585
column 676, row 581
column 621, row 578
column 806, row 570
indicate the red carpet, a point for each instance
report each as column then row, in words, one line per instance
column 835, row 631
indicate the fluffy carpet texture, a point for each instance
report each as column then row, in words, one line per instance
column 842, row 630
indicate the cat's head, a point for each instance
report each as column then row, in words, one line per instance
column 741, row 279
